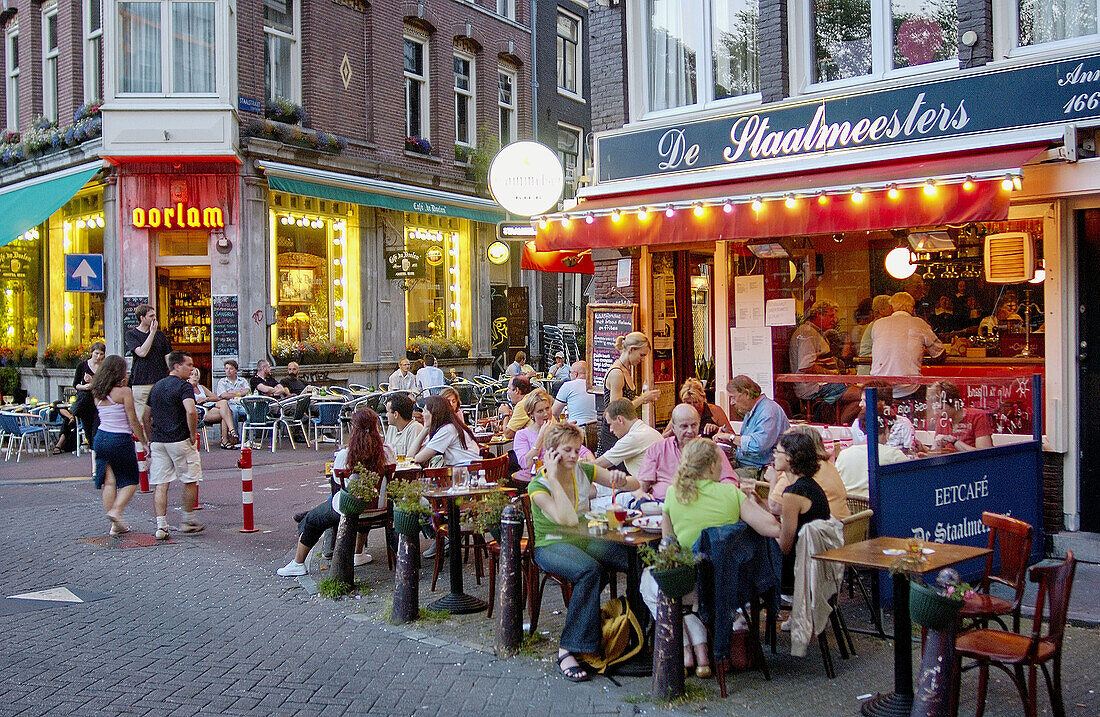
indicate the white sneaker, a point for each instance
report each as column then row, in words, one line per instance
column 292, row 570
column 430, row 552
column 162, row 534
column 362, row 559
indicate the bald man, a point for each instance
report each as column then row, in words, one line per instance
column 661, row 459
column 581, row 405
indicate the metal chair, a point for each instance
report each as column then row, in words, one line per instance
column 339, row 390
column 294, row 413
column 258, row 418
column 17, row 426
column 857, row 528
column 203, row 426
column 327, row 419
column 358, row 387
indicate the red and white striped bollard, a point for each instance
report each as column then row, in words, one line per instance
column 143, row 467
column 198, row 449
column 245, row 464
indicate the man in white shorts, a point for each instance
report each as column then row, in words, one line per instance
column 172, row 424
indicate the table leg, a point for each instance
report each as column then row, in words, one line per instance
column 900, row 701
column 457, row 602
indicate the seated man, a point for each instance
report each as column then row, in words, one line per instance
column 811, row 353
column 293, row 384
column 661, row 459
column 403, row 434
column 763, row 423
column 265, row 384
column 635, row 437
column 518, row 388
column 403, row 379
column 852, row 462
column 958, row 428
column 574, row 397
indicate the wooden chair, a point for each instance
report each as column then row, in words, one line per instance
column 1011, row 539
column 526, row 551
column 838, row 629
column 374, row 518
column 1005, row 649
column 496, row 469
column 441, row 478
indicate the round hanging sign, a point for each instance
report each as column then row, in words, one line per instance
column 434, row 256
column 498, row 252
column 526, row 178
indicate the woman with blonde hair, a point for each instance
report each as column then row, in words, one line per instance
column 695, row 501
column 527, row 443
column 712, row 419
column 618, row 382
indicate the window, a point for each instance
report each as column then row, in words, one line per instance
column 93, row 50
column 1042, row 21
column 282, row 52
column 707, row 49
column 50, row 54
column 416, row 88
column 569, row 53
column 183, row 30
column 506, row 101
column 438, row 307
column 464, row 100
column 507, row 8
column 11, row 76
column 75, row 318
column 20, row 289
column 849, row 40
column 569, row 151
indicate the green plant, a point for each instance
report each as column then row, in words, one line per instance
column 433, row 615
column 485, row 512
column 674, row 555
column 488, row 144
column 364, row 484
column 406, row 496
column 9, row 380
column 533, row 644
column 333, row 589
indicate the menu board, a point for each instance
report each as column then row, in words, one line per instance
column 606, row 322
column 129, row 303
column 224, row 332
column 517, row 319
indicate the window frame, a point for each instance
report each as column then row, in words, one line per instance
column 578, row 170
column 578, row 65
column 471, row 99
column 512, row 109
column 424, row 79
column 11, row 76
column 51, row 60
column 167, row 49
column 1006, row 36
column 294, row 37
column 506, row 9
column 93, row 59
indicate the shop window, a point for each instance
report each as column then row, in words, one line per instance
column 183, row 33
column 20, row 288
column 506, row 102
column 416, row 88
column 11, row 76
column 465, row 118
column 93, row 50
column 50, row 55
column 315, row 276
column 438, row 306
column 183, row 243
column 1043, row 21
column 282, row 51
column 569, row 54
column 76, row 319
column 569, row 152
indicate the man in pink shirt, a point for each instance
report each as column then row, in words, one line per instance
column 661, row 459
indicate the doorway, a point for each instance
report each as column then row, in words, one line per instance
column 1088, row 366
column 183, row 310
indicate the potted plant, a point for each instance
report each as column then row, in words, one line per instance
column 936, row 607
column 407, row 507
column 673, row 568
column 419, row 145
column 360, row 492
column 485, row 513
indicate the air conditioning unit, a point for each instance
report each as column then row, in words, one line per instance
column 1009, row 258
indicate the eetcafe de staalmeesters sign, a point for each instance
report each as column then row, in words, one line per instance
column 1049, row 94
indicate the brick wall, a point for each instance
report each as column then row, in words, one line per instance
column 976, row 15
column 607, row 38
column 774, row 66
column 604, row 278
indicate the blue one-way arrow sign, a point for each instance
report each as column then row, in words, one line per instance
column 84, row 272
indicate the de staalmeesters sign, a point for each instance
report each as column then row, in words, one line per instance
column 1052, row 93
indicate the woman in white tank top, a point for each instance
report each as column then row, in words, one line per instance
column 116, row 469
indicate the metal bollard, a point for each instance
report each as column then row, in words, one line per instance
column 510, row 622
column 198, row 449
column 406, row 588
column 143, row 467
column 245, row 464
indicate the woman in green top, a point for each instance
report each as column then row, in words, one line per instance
column 559, row 496
column 694, row 502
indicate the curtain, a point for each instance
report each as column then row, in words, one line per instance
column 139, row 53
column 684, row 326
column 673, row 29
column 1051, row 20
column 193, row 47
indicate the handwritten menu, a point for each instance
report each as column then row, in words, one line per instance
column 606, row 322
column 225, row 337
column 129, row 303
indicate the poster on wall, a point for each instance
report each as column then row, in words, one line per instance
column 517, row 319
column 129, row 303
column 404, row 264
column 605, row 323
column 225, row 335
column 751, row 354
column 748, row 296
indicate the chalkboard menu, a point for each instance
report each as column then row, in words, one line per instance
column 517, row 319
column 129, row 303
column 606, row 322
column 225, row 325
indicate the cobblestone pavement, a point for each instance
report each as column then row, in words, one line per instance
column 202, row 625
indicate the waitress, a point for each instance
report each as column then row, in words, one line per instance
column 618, row 382
column 84, row 408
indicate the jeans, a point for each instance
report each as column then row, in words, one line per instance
column 582, row 567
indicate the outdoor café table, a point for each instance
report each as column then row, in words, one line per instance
column 498, row 445
column 457, row 602
column 868, row 554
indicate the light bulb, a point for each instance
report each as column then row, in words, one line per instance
column 543, row 223
column 643, row 214
column 968, row 185
column 1006, row 183
column 892, row 192
column 789, row 201
column 822, row 198
column 857, row 195
column 930, row 188
column 588, row 219
column 698, row 210
column 1017, row 183
column 728, row 207
column 757, row 205
column 616, row 215
column 565, row 221
column 898, row 264
column 670, row 212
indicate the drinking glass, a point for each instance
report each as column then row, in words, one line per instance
column 8, row 399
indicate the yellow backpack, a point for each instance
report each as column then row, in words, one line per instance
column 622, row 635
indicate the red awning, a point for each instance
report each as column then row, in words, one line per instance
column 983, row 200
column 565, row 262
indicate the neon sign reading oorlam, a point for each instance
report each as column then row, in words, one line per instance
column 178, row 217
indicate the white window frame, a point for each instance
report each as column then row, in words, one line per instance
column 425, row 83
column 167, row 48
column 471, row 100
column 11, row 77
column 51, row 58
column 510, row 108
column 93, row 59
column 295, row 39
column 800, row 52
column 1006, row 36
column 578, row 171
column 579, row 62
column 507, row 9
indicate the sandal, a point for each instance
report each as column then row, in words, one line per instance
column 227, row 444
column 56, row 451
column 576, row 673
column 234, row 439
column 117, row 526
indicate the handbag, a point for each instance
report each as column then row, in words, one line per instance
column 621, row 637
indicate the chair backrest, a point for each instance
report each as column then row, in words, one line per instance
column 1011, row 538
column 857, row 505
column 468, row 394
column 496, row 469
column 301, row 407
column 255, row 407
column 328, row 412
column 9, row 423
column 438, row 477
column 339, row 390
column 1055, row 585
column 857, row 527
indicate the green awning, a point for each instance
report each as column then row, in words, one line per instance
column 28, row 204
column 378, row 193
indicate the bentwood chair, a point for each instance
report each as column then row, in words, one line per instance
column 857, row 528
column 1006, row 650
column 1012, row 539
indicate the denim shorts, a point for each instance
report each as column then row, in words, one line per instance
column 117, row 451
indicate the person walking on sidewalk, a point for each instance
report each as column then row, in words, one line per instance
column 116, row 468
column 150, row 348
column 172, row 424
